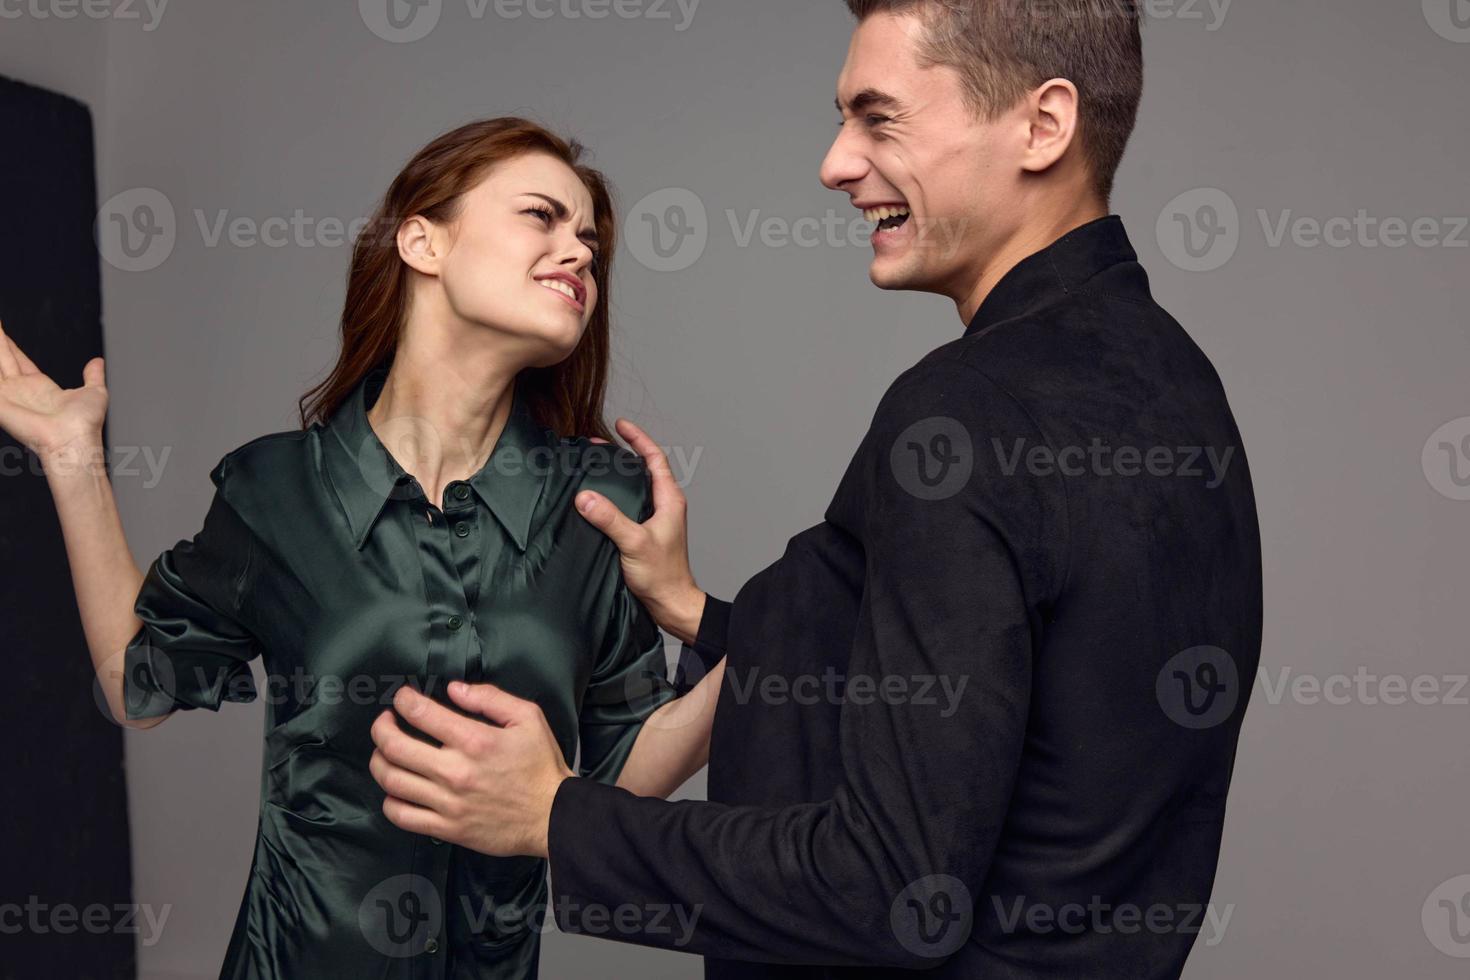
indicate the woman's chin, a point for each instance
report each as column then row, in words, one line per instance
column 556, row 343
column 543, row 340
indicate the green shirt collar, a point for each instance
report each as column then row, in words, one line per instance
column 365, row 475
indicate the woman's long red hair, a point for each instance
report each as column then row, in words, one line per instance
column 566, row 397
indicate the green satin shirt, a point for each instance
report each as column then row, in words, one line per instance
column 321, row 555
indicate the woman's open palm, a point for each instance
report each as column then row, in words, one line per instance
column 42, row 415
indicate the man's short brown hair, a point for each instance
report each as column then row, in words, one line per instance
column 1004, row 48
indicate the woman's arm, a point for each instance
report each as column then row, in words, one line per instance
column 103, row 573
column 63, row 427
column 674, row 741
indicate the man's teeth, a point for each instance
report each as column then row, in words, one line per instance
column 564, row 288
column 882, row 214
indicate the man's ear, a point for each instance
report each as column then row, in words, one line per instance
column 420, row 245
column 1052, row 111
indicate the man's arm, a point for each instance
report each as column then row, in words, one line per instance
column 865, row 877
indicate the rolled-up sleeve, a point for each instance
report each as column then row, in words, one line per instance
column 193, row 651
column 630, row 681
column 630, row 684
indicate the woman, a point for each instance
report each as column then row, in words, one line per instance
column 419, row 528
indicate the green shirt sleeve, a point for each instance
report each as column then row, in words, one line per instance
column 631, row 679
column 192, row 650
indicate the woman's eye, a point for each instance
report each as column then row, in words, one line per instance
column 545, row 214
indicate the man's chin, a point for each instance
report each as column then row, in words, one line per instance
column 892, row 272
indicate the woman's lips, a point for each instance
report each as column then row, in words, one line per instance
column 554, row 285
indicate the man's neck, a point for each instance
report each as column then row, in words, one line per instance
column 1026, row 242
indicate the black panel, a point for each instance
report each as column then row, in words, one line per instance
column 64, row 823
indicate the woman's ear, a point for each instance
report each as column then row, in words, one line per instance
column 419, row 245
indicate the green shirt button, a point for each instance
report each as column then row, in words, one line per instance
column 432, row 946
column 462, row 529
column 455, row 622
column 461, row 492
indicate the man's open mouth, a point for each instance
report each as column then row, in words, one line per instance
column 887, row 218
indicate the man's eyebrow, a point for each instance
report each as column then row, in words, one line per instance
column 869, row 98
column 560, row 211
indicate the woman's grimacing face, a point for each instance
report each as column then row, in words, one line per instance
column 524, row 239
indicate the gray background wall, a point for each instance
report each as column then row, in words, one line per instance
column 761, row 363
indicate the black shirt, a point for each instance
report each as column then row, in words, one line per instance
column 1051, row 519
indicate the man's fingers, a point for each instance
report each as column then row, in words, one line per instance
column 666, row 490
column 604, row 515
column 94, row 373
column 406, row 784
column 429, row 716
column 9, row 367
column 27, row 366
column 413, row 818
column 495, row 703
column 401, row 748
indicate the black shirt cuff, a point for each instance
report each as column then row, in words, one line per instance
column 602, row 843
column 581, row 872
column 708, row 649
column 714, row 625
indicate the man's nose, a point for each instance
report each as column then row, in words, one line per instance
column 843, row 164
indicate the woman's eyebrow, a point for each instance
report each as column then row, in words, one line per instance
column 560, row 210
column 557, row 208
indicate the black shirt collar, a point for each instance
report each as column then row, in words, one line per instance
column 1060, row 268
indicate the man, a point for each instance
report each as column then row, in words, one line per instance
column 1051, row 518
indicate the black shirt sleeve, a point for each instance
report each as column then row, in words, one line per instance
column 956, row 571
column 708, row 649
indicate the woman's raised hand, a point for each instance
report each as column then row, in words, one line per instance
column 51, row 421
column 63, row 426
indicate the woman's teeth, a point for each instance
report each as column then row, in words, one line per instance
column 564, row 288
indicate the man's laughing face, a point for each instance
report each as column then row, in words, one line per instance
column 939, row 183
